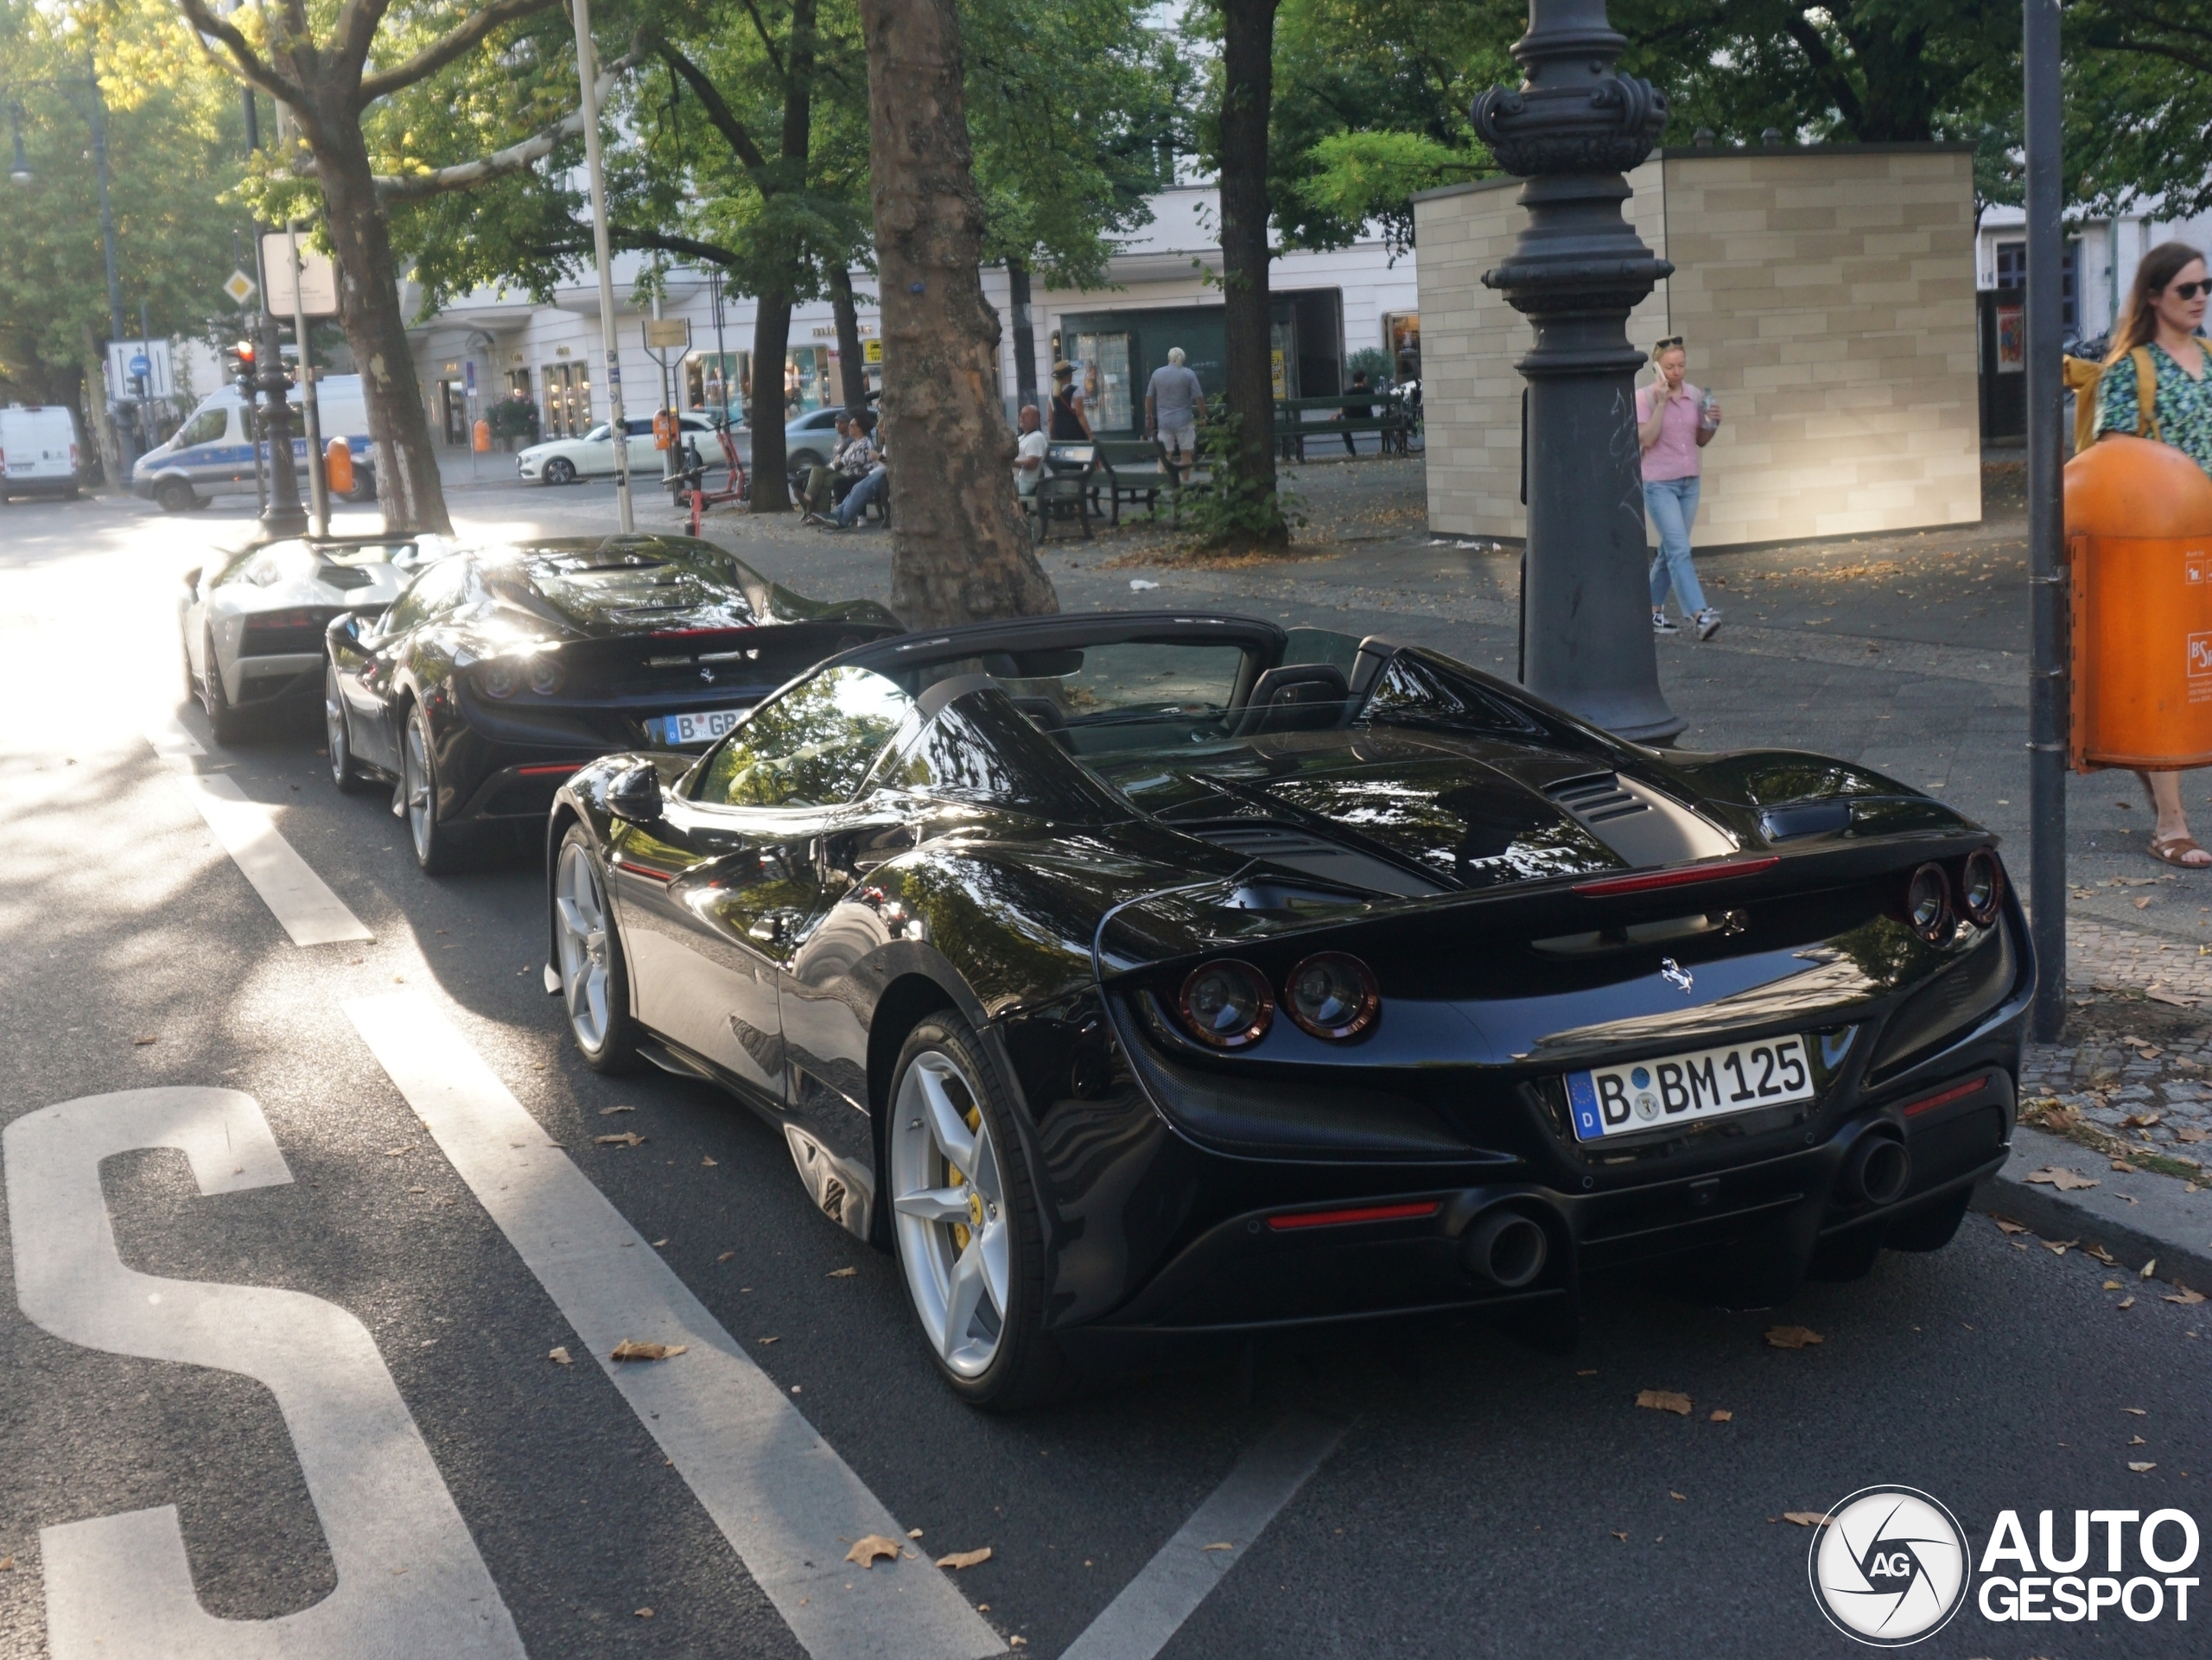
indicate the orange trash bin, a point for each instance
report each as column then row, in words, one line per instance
column 338, row 466
column 2139, row 542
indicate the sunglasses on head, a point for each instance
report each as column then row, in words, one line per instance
column 1671, row 343
column 2188, row 291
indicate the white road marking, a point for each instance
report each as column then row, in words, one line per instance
column 120, row 1586
column 1152, row 1606
column 781, row 1496
column 300, row 900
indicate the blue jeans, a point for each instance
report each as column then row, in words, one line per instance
column 1672, row 503
column 857, row 499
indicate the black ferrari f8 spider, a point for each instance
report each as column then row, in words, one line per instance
column 1144, row 981
column 500, row 670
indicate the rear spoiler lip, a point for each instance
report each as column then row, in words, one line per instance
column 1756, row 876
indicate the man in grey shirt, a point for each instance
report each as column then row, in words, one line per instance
column 1171, row 401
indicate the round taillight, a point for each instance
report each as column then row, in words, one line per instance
column 1928, row 904
column 1981, row 888
column 1332, row 996
column 497, row 678
column 544, row 676
column 1227, row 1003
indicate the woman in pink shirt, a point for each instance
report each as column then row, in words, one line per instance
column 1673, row 421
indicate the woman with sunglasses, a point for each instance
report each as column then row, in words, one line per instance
column 2160, row 331
column 1673, row 421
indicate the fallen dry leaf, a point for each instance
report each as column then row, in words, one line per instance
column 627, row 1138
column 913, row 1533
column 7, row 1564
column 1664, row 1400
column 766, row 1340
column 2125, row 1302
column 560, row 1357
column 1792, row 1337
column 865, row 1551
column 397, row 1151
column 2110, row 1285
column 644, row 1613
column 2191, row 1133
column 964, row 1558
column 2123, row 1167
column 2140, row 1468
column 1622, row 1538
column 707, row 1163
column 2184, row 1296
column 2101, row 1255
column 1017, row 1641
column 2059, row 1247
column 2140, row 1120
column 2137, row 1441
column 631, row 1349
column 658, row 1244
column 2142, row 904
column 1587, row 1371
column 1720, row 1417
column 2147, row 1267
column 140, row 1043
column 2006, row 1225
column 2136, row 1412
column 2058, row 1176
column 1684, row 1497
column 608, row 1112
column 841, row 1274
column 1219, row 1544
column 1806, row 1518
column 725, row 1256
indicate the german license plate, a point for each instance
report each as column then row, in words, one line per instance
column 679, row 729
column 1678, row 1089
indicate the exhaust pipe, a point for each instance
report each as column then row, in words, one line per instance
column 1877, row 1170
column 1507, row 1248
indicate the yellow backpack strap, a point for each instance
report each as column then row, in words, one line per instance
column 2082, row 377
column 2146, row 395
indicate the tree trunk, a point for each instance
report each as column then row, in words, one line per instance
column 852, row 368
column 772, row 338
column 1247, row 92
column 95, row 414
column 960, row 543
column 1025, row 335
column 408, row 485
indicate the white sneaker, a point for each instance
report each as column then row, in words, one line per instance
column 1660, row 624
column 1708, row 623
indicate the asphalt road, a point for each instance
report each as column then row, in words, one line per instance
column 1468, row 1495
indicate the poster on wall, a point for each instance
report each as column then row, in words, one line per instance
column 2012, row 340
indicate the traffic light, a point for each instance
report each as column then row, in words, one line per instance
column 237, row 365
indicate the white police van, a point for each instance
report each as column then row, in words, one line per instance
column 212, row 454
column 38, row 451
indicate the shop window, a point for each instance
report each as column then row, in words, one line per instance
column 1401, row 340
column 1102, row 367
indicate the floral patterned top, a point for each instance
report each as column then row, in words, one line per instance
column 2184, row 409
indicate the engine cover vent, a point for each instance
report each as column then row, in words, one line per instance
column 1642, row 824
column 1596, row 799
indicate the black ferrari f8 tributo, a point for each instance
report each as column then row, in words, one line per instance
column 1144, row 981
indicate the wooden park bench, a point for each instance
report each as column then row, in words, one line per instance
column 1383, row 414
column 1132, row 470
column 1063, row 491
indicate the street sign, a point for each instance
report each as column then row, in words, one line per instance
column 240, row 288
column 667, row 334
column 318, row 277
column 129, row 362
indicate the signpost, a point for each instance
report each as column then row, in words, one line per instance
column 315, row 293
column 146, row 360
column 663, row 336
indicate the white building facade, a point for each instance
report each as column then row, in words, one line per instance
column 1163, row 290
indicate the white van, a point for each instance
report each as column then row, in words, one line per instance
column 38, row 451
column 211, row 454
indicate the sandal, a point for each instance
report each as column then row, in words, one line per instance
column 2175, row 850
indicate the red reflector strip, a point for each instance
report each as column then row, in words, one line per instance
column 1957, row 1093
column 540, row 771
column 1364, row 1213
column 646, row 870
column 1644, row 881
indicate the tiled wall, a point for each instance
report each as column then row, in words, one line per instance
column 1828, row 296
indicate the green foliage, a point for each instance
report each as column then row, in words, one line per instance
column 175, row 143
column 1372, row 361
column 1219, row 508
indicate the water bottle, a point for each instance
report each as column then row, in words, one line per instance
column 1708, row 411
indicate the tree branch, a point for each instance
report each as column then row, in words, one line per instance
column 244, row 62
column 356, row 31
column 436, row 56
column 768, row 42
column 1830, row 75
column 724, row 119
column 622, row 236
column 413, row 186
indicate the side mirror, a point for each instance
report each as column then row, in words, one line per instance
column 635, row 795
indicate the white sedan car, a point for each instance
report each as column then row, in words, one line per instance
column 563, row 460
column 252, row 625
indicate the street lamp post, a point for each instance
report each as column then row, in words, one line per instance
column 1572, row 130
column 282, row 515
column 2050, row 614
column 587, row 72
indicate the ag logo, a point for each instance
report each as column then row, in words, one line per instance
column 1889, row 1567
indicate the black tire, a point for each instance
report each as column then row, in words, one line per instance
column 617, row 1034
column 1932, row 1227
column 1027, row 1366
column 559, row 470
column 227, row 719
column 174, row 496
column 437, row 846
column 345, row 771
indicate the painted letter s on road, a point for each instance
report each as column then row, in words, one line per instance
column 119, row 1586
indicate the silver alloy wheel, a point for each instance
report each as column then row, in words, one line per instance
column 333, row 730
column 580, row 912
column 414, row 786
column 948, row 1194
